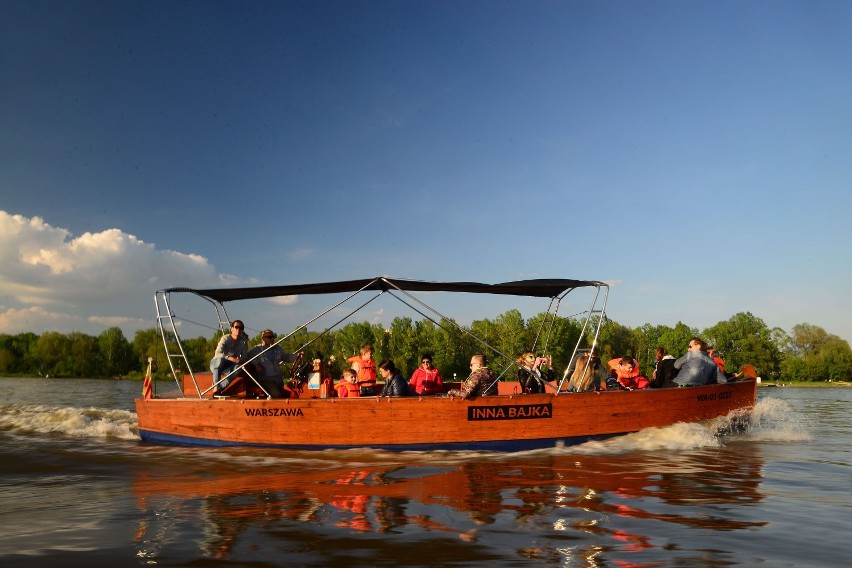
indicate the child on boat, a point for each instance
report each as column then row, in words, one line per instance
column 348, row 385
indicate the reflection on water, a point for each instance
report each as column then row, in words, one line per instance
column 574, row 499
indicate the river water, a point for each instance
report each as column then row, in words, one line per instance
column 78, row 488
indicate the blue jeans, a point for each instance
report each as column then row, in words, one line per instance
column 220, row 366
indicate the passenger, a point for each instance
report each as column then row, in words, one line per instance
column 594, row 362
column 664, row 371
column 534, row 371
column 717, row 358
column 584, row 378
column 625, row 371
column 480, row 382
column 395, row 385
column 268, row 363
column 696, row 368
column 230, row 352
column 427, row 378
column 348, row 385
column 747, row 372
column 366, row 369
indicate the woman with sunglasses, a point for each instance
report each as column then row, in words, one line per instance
column 534, row 371
column 230, row 352
column 426, row 378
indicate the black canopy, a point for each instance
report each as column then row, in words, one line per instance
column 542, row 288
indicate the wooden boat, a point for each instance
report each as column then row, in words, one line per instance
column 511, row 421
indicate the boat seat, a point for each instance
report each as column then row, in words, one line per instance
column 241, row 387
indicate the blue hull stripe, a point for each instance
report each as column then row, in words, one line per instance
column 494, row 445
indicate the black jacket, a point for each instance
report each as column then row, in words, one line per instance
column 396, row 386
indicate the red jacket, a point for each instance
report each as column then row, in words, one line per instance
column 426, row 382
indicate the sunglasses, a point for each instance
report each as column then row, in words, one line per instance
column 269, row 337
column 426, row 361
column 238, row 327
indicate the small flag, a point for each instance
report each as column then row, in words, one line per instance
column 147, row 390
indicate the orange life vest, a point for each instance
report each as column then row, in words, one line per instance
column 345, row 389
column 366, row 371
column 628, row 379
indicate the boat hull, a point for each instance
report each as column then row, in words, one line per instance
column 496, row 423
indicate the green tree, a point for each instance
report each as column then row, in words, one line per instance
column 512, row 336
column 561, row 338
column 198, row 352
column 745, row 338
column 350, row 338
column 84, row 356
column 115, row 353
column 16, row 353
column 402, row 346
column 823, row 356
column 52, row 351
column 452, row 351
column 675, row 339
column 616, row 340
column 837, row 359
column 807, row 339
column 148, row 343
column 646, row 338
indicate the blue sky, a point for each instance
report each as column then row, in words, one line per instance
column 694, row 154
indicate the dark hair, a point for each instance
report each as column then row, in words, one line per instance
column 387, row 365
column 426, row 356
column 660, row 353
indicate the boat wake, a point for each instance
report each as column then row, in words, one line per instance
column 68, row 421
column 769, row 420
column 776, row 420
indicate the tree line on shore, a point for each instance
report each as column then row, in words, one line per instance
column 807, row 353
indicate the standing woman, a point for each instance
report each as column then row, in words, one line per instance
column 395, row 385
column 534, row 371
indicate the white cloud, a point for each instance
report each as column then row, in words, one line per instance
column 284, row 300
column 51, row 280
column 122, row 321
column 36, row 319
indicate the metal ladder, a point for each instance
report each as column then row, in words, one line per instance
column 175, row 353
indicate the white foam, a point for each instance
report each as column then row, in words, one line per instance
column 775, row 420
column 69, row 421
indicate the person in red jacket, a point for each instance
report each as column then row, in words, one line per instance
column 626, row 371
column 427, row 378
column 717, row 358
